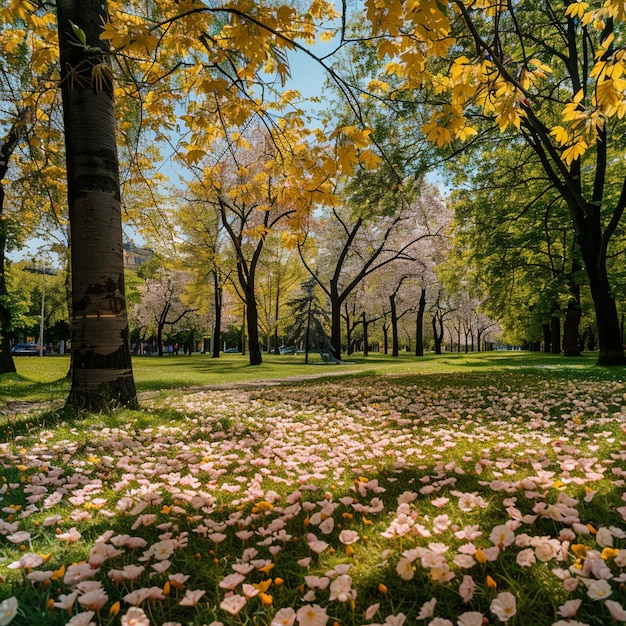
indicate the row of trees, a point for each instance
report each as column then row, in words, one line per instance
column 384, row 310
column 547, row 76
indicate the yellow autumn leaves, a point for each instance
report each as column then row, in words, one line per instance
column 414, row 32
column 222, row 51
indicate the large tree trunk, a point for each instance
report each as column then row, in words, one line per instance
column 437, row 321
column 7, row 365
column 419, row 324
column 573, row 315
column 570, row 329
column 276, row 313
column 335, row 320
column 607, row 320
column 348, row 319
column 395, row 349
column 102, row 375
column 547, row 338
column 366, row 340
column 217, row 329
column 555, row 334
column 307, row 337
column 252, row 322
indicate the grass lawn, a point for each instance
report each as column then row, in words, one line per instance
column 459, row 490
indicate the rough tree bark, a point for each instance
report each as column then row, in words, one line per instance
column 102, row 376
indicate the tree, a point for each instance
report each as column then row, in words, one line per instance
column 551, row 72
column 162, row 304
column 203, row 246
column 102, row 374
column 514, row 246
column 6, row 151
column 280, row 272
column 308, row 318
column 258, row 183
column 22, row 79
column 353, row 246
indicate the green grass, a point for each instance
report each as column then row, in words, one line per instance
column 43, row 380
column 522, row 433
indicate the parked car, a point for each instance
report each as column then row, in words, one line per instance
column 286, row 350
column 25, row 349
column 231, row 350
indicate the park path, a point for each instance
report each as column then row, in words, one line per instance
column 249, row 384
column 14, row 407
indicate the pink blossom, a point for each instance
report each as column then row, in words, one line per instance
column 327, row 525
column 284, row 617
column 395, row 620
column 135, row 617
column 312, row 615
column 145, row 593
column 464, row 560
column 504, row 606
column 101, row 552
column 231, row 581
column 132, row 572
column 161, row 566
column 317, row 582
column 341, row 589
column 249, row 591
column 526, row 557
column 428, row 609
column 82, row 619
column 39, row 576
column 94, row 599
column 440, row 502
column 233, row 604
column 617, row 611
column 471, row 618
column 178, row 580
column 570, row 608
column 66, row 602
column 27, row 561
column 192, row 597
column 466, row 588
column 71, row 536
column 8, row 610
column 19, row 537
column 348, row 537
column 318, row 546
column 405, row 568
column 469, row 532
column 502, row 536
column 599, row 589
column 129, row 542
column 75, row 573
column 372, row 610
column 441, row 523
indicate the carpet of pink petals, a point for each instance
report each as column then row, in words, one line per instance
column 373, row 502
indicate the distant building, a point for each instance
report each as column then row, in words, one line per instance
column 135, row 255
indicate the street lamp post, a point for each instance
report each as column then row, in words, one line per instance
column 42, row 269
